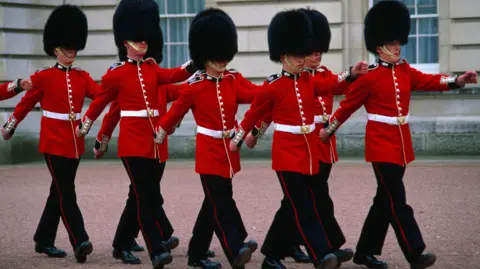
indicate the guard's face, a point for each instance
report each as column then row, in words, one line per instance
column 137, row 48
column 297, row 61
column 313, row 60
column 65, row 55
column 221, row 64
column 390, row 51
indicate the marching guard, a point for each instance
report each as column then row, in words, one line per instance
column 133, row 83
column 213, row 96
column 290, row 98
column 385, row 92
column 11, row 89
column 61, row 90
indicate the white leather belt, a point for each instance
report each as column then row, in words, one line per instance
column 215, row 133
column 321, row 118
column 293, row 129
column 145, row 113
column 388, row 120
column 61, row 116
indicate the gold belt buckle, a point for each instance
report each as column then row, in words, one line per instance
column 305, row 129
column 226, row 134
column 401, row 120
column 150, row 113
column 325, row 118
column 72, row 116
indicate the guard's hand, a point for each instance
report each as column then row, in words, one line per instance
column 250, row 140
column 469, row 77
column 78, row 133
column 360, row 68
column 26, row 84
column 324, row 135
column 97, row 154
column 6, row 135
column 233, row 147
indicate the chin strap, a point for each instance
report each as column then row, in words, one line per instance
column 132, row 44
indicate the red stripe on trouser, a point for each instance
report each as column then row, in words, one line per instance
column 319, row 219
column 296, row 218
column 50, row 167
column 160, row 229
column 216, row 217
column 392, row 207
column 138, row 206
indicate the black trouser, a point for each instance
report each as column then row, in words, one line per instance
column 144, row 208
column 219, row 214
column 296, row 221
column 390, row 207
column 128, row 227
column 61, row 203
column 324, row 208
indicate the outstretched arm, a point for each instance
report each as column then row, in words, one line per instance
column 28, row 102
column 12, row 88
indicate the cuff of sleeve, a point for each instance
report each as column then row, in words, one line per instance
column 159, row 135
column 238, row 136
column 451, row 82
column 102, row 145
column 15, row 86
column 85, row 125
column 333, row 125
column 346, row 75
column 10, row 125
column 258, row 132
column 190, row 67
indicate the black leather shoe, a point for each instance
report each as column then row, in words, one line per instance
column 299, row 256
column 272, row 264
column 126, row 256
column 210, row 253
column 81, row 251
column 252, row 245
column 369, row 261
column 51, row 251
column 136, row 247
column 330, row 261
column 344, row 255
column 244, row 255
column 424, row 261
column 204, row 263
column 171, row 243
column 161, row 260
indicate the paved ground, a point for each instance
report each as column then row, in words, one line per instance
column 445, row 196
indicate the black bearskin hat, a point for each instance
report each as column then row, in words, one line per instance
column 386, row 21
column 212, row 37
column 289, row 32
column 321, row 30
column 66, row 27
column 137, row 20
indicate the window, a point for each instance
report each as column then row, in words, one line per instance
column 422, row 50
column 175, row 19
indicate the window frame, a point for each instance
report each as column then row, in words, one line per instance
column 166, row 32
column 430, row 68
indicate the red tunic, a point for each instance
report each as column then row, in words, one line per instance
column 214, row 104
column 10, row 89
column 291, row 101
column 61, row 92
column 385, row 92
column 134, row 85
column 167, row 94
